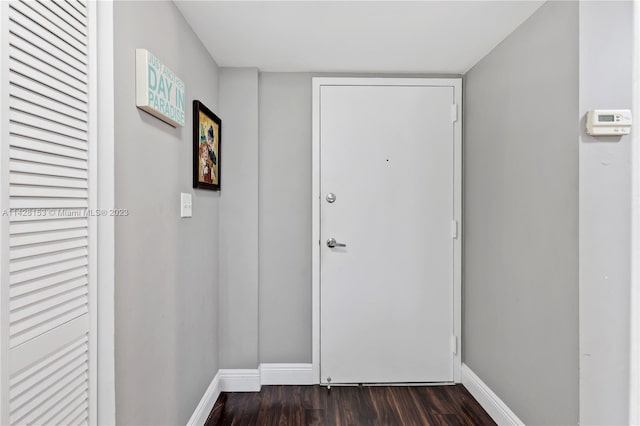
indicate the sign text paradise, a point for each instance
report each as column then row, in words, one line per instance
column 158, row 90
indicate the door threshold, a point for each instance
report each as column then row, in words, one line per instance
column 390, row 384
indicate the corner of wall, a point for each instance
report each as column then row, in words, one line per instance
column 166, row 295
column 239, row 276
column 520, row 218
column 606, row 70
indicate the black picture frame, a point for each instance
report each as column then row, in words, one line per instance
column 207, row 140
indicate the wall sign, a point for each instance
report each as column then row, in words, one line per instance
column 158, row 90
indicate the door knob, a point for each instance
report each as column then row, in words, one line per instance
column 331, row 242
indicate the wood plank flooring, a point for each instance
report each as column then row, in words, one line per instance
column 367, row 405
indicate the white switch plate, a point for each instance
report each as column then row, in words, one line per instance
column 185, row 205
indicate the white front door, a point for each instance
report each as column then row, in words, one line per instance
column 387, row 193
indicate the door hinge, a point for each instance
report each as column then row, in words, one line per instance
column 454, row 112
column 454, row 229
column 454, row 345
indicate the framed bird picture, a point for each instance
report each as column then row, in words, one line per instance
column 206, row 147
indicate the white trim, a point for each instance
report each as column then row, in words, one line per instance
column 106, row 226
column 202, row 411
column 497, row 409
column 4, row 220
column 457, row 243
column 286, row 374
column 94, row 191
column 634, row 370
column 249, row 380
column 315, row 231
column 456, row 83
column 252, row 379
column 240, row 380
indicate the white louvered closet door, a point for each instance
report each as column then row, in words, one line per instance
column 48, row 179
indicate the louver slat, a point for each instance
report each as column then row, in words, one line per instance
column 51, row 22
column 38, row 34
column 18, row 41
column 42, row 391
column 49, row 230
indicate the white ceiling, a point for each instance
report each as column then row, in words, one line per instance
column 354, row 36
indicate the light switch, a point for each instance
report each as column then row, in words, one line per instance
column 185, row 205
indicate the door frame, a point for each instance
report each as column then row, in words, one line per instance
column 634, row 346
column 317, row 83
column 105, row 135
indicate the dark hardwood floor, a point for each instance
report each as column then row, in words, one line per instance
column 366, row 405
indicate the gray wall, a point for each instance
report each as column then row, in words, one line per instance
column 238, row 307
column 520, row 295
column 520, row 230
column 166, row 267
column 606, row 37
column 285, row 217
column 285, row 213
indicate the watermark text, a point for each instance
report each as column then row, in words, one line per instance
column 50, row 213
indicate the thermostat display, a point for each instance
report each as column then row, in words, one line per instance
column 609, row 122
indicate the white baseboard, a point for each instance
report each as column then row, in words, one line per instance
column 240, row 380
column 286, row 374
column 251, row 379
column 492, row 404
column 200, row 415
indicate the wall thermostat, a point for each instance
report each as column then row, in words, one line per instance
column 609, row 122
